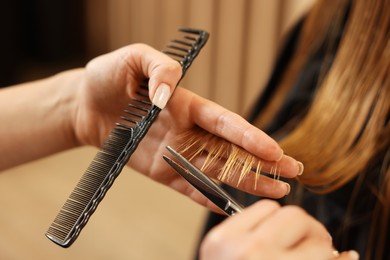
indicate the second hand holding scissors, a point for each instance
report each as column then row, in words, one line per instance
column 204, row 184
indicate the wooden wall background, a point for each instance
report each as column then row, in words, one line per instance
column 140, row 219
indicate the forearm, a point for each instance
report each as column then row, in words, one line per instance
column 36, row 118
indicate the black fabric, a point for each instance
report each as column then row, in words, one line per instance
column 283, row 61
column 330, row 209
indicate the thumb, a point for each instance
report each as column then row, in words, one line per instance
column 163, row 78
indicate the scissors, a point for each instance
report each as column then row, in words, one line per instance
column 203, row 183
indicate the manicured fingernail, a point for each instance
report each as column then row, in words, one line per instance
column 162, row 95
column 301, row 168
column 353, row 255
column 288, row 188
column 336, row 253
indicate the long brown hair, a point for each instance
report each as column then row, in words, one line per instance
column 346, row 127
column 347, row 123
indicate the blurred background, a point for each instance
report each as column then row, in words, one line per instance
column 138, row 219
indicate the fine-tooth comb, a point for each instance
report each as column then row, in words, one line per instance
column 119, row 146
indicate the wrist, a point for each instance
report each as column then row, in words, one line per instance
column 66, row 86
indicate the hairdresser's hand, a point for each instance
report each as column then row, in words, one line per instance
column 112, row 78
column 184, row 111
column 267, row 231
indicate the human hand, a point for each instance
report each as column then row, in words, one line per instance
column 110, row 81
column 266, row 230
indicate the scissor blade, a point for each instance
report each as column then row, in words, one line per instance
column 191, row 169
column 211, row 194
column 230, row 204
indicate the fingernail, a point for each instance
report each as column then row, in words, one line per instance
column 353, row 255
column 288, row 188
column 162, row 95
column 301, row 168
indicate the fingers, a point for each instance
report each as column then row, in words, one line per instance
column 247, row 220
column 348, row 255
column 229, row 239
column 133, row 63
column 162, row 82
column 261, row 186
column 221, row 122
column 290, row 225
column 266, row 185
column 266, row 230
column 312, row 248
column 232, row 127
column 287, row 167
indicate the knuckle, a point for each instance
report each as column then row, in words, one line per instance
column 272, row 204
column 169, row 68
column 217, row 246
column 213, row 241
column 175, row 67
column 220, row 123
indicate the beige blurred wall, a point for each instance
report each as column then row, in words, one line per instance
column 140, row 219
column 237, row 60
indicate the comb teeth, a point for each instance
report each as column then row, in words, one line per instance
column 116, row 151
column 84, row 199
column 185, row 49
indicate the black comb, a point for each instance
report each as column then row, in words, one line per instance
column 119, row 146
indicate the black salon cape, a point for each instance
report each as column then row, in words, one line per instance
column 330, row 209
